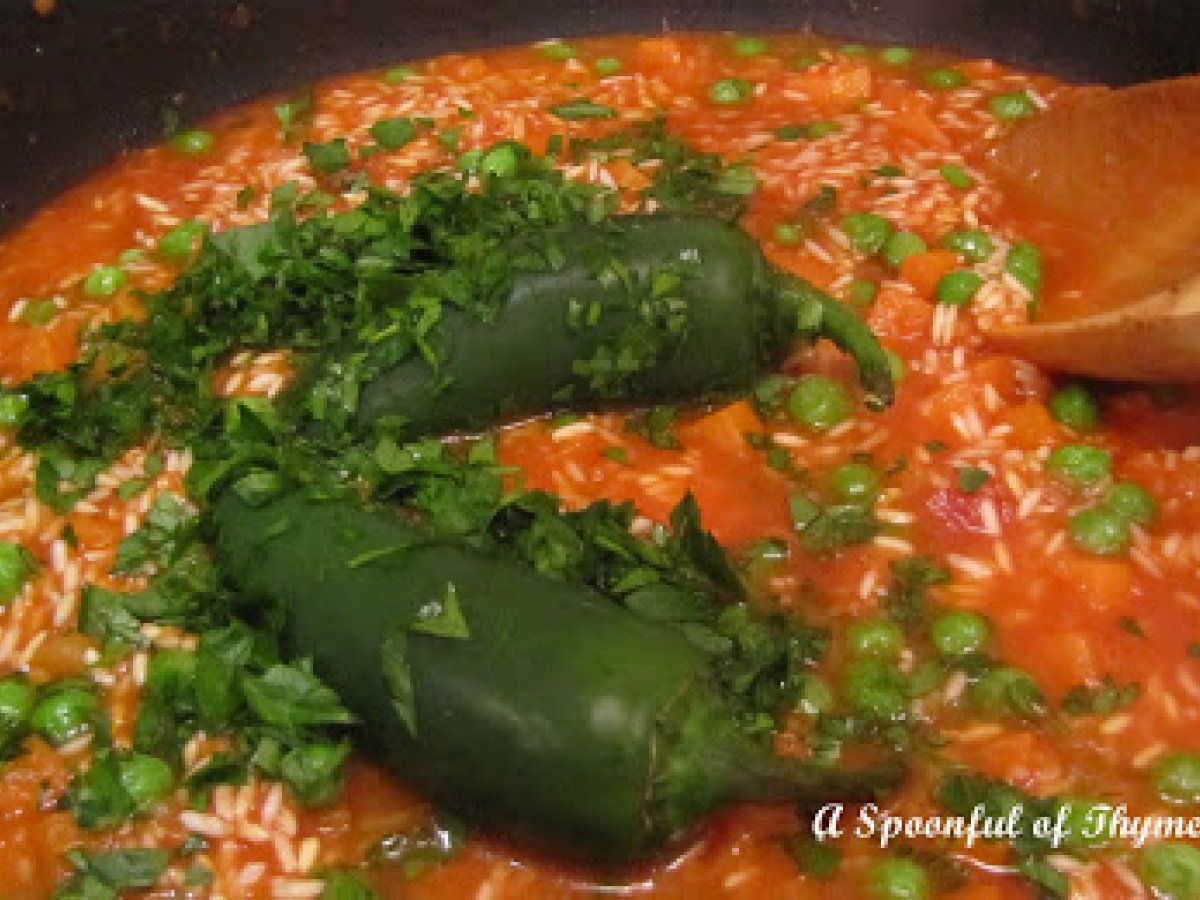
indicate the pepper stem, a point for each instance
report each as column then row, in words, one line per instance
column 805, row 309
column 712, row 762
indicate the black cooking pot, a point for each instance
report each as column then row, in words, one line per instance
column 94, row 76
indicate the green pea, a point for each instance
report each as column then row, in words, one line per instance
column 738, row 180
column 39, row 312
column 1100, row 531
column 944, row 79
column 749, row 46
column 896, row 56
column 957, row 177
column 398, row 74
column 1171, row 870
column 104, row 281
column 1131, row 502
column 787, row 234
column 557, row 50
column 1017, row 105
column 853, row 50
column 730, row 91
column 193, row 142
column 881, row 638
column 1081, row 823
column 970, row 243
column 608, row 65
column 16, row 566
column 958, row 288
column 814, row 131
column 805, row 61
column 867, row 231
column 819, row 402
column 855, row 481
column 814, row 696
column 1024, row 263
column 65, row 713
column 899, row 246
column 12, row 409
column 16, row 703
column 1074, row 406
column 861, row 293
column 178, row 244
column 1176, row 777
column 469, row 161
column 501, row 161
column 170, row 669
column 1080, row 463
column 146, row 779
column 1007, row 691
column 875, row 688
column 897, row 879
column 960, row 633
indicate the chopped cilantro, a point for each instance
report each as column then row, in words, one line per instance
column 107, row 874
column 245, row 197
column 104, row 616
column 197, row 875
column 313, row 770
column 907, row 597
column 823, row 201
column 803, row 511
column 442, row 617
column 130, row 488
column 583, row 109
column 1131, row 626
column 290, row 695
column 971, row 479
column 1099, row 699
column 295, row 112
column 684, row 180
column 778, row 458
column 392, row 134
column 347, row 884
column 328, row 158
column 656, row 425
column 840, row 525
column 770, row 396
column 616, row 454
column 117, row 786
column 162, row 537
column 813, row 858
column 737, row 180
column 220, row 768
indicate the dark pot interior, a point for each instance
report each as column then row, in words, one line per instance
column 92, row 78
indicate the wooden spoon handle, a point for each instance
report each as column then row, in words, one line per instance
column 1155, row 340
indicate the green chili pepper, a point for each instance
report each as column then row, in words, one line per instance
column 512, row 699
column 646, row 309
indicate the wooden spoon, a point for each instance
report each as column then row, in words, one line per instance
column 1122, row 169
